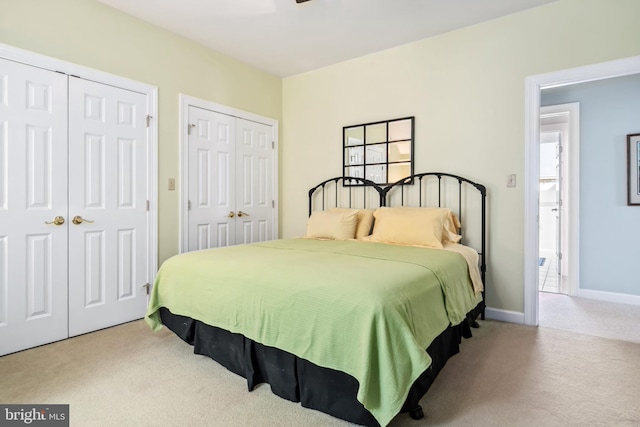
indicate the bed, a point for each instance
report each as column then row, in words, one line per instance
column 357, row 318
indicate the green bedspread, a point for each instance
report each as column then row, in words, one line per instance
column 367, row 309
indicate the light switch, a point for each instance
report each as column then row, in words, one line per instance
column 511, row 180
column 172, row 184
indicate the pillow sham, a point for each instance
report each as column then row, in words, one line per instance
column 364, row 223
column 332, row 225
column 451, row 229
column 411, row 226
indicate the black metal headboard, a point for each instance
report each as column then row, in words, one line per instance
column 466, row 198
column 435, row 189
column 346, row 191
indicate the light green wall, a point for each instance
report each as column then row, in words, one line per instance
column 93, row 35
column 466, row 90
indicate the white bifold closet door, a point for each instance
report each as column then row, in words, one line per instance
column 69, row 148
column 231, row 180
column 33, row 193
column 108, row 190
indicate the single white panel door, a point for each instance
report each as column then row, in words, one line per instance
column 255, row 182
column 108, row 217
column 212, row 195
column 33, row 206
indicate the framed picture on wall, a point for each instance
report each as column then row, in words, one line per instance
column 633, row 169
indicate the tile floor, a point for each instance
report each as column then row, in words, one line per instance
column 548, row 275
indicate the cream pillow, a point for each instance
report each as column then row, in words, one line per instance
column 332, row 225
column 451, row 229
column 364, row 223
column 410, row 226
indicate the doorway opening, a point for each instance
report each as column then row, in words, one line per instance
column 533, row 87
column 550, row 276
column 558, row 153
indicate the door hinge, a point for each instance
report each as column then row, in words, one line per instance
column 147, row 286
column 188, row 205
column 273, row 145
column 148, row 120
column 189, row 127
column 559, row 255
column 147, row 205
column 273, row 203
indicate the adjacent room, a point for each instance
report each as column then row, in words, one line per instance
column 501, row 138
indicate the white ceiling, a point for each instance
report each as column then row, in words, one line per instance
column 285, row 38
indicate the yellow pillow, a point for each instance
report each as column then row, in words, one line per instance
column 410, row 226
column 451, row 229
column 332, row 225
column 364, row 223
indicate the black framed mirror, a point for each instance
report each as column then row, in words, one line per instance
column 379, row 151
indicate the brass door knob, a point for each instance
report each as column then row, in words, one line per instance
column 79, row 220
column 231, row 214
column 56, row 221
column 240, row 213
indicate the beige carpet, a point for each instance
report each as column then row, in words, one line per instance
column 591, row 317
column 507, row 375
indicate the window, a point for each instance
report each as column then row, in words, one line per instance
column 381, row 151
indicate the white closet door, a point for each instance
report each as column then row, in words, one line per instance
column 33, row 190
column 211, row 179
column 255, row 181
column 108, row 263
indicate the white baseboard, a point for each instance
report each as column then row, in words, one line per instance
column 504, row 315
column 609, row 296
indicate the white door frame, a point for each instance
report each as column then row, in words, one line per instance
column 533, row 85
column 185, row 102
column 151, row 92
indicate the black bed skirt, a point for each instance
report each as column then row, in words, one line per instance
column 298, row 380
